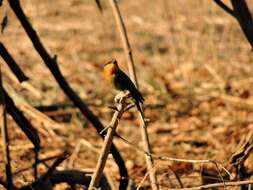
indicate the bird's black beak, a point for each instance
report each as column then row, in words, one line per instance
column 111, row 61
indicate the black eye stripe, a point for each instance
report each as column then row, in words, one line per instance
column 112, row 61
column 107, row 63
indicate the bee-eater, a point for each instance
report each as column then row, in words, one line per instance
column 121, row 81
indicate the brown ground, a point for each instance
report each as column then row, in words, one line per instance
column 194, row 69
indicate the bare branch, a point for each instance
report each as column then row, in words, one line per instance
column 244, row 18
column 4, row 23
column 12, row 63
column 107, row 144
column 225, row 7
column 22, row 121
column 242, row 13
column 98, row 3
column 209, row 186
column 5, row 136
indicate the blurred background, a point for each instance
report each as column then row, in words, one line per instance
column 194, row 68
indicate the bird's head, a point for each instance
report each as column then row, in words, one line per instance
column 110, row 67
column 112, row 62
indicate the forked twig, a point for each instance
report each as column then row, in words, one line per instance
column 225, row 7
column 131, row 68
column 111, row 129
column 242, row 14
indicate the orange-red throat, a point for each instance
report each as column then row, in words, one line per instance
column 110, row 69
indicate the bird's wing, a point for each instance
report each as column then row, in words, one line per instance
column 126, row 84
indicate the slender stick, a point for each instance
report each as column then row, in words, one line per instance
column 107, row 145
column 131, row 68
column 12, row 63
column 5, row 137
column 210, row 186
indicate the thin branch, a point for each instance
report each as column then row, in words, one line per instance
column 225, row 7
column 5, row 136
column 12, row 63
column 76, row 177
column 159, row 157
column 111, row 129
column 131, row 68
column 53, row 67
column 22, row 121
column 4, row 22
column 177, row 176
column 213, row 185
column 44, row 181
column 98, row 3
column 35, row 165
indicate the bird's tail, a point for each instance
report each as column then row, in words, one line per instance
column 140, row 109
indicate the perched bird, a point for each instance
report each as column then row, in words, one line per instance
column 121, row 81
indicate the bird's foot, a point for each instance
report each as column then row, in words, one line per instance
column 113, row 108
column 121, row 95
column 104, row 130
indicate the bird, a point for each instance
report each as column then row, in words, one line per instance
column 120, row 81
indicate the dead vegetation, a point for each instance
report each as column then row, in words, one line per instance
column 193, row 62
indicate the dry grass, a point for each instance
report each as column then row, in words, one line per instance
column 191, row 57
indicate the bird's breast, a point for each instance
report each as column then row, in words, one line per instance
column 109, row 73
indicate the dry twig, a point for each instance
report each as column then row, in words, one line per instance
column 5, row 136
column 209, row 186
column 107, row 143
column 131, row 68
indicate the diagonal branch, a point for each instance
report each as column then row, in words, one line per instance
column 53, row 67
column 12, row 63
column 111, row 130
column 244, row 18
column 242, row 14
column 225, row 7
column 22, row 121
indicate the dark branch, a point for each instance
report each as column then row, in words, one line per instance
column 12, row 63
column 244, row 18
column 98, row 3
column 225, row 7
column 5, row 137
column 53, row 67
column 4, row 23
column 22, row 121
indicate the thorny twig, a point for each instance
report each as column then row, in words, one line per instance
column 131, row 68
column 111, row 129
